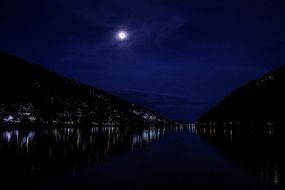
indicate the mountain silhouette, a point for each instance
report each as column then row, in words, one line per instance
column 33, row 94
column 259, row 101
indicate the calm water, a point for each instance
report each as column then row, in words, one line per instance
column 139, row 158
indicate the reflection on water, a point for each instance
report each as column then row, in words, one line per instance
column 259, row 151
column 32, row 154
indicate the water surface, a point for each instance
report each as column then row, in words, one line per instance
column 136, row 158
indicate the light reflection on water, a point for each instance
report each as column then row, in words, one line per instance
column 37, row 153
column 34, row 154
column 80, row 138
column 259, row 151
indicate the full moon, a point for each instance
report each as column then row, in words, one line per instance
column 122, row 35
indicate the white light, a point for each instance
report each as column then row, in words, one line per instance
column 122, row 35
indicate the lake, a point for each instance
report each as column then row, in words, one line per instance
column 130, row 157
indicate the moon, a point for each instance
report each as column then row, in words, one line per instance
column 122, row 35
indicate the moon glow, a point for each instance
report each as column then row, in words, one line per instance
column 122, row 35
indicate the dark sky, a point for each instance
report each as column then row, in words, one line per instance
column 196, row 50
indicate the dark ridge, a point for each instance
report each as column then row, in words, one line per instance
column 33, row 94
column 259, row 101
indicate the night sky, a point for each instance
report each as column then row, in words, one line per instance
column 179, row 57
